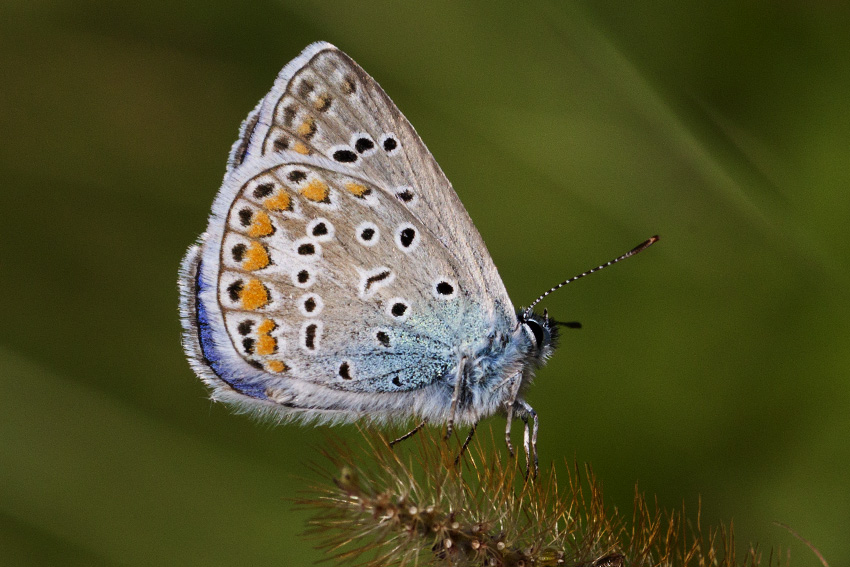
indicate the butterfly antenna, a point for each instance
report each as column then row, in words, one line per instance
column 639, row 248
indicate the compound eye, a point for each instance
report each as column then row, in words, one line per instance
column 537, row 331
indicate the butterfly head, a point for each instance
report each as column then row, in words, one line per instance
column 541, row 331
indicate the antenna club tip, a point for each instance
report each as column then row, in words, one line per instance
column 639, row 248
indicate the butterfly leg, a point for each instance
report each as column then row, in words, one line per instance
column 459, row 380
column 526, row 442
column 510, row 402
column 466, row 443
column 530, row 444
column 410, row 433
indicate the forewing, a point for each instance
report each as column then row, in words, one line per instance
column 324, row 104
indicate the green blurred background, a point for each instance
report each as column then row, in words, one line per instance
column 713, row 366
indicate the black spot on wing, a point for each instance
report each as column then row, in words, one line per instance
column 264, row 190
column 345, row 156
column 376, row 278
column 345, row 371
column 363, row 145
column 383, row 338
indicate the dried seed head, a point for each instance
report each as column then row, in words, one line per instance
column 489, row 515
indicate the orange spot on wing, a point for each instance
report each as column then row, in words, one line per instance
column 266, row 327
column 276, row 366
column 266, row 345
column 307, row 128
column 323, row 102
column 356, row 189
column 256, row 258
column 261, row 225
column 301, row 148
column 254, row 295
column 317, row 190
column 280, row 202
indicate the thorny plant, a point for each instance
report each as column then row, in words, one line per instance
column 378, row 507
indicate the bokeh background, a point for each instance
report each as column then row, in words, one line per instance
column 713, row 367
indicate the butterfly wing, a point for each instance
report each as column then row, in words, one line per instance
column 324, row 104
column 339, row 270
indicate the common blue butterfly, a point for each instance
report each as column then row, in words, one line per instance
column 340, row 276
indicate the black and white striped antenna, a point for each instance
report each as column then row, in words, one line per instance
column 639, row 248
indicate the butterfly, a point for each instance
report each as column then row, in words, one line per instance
column 340, row 277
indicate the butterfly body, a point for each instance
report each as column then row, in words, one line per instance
column 340, row 276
